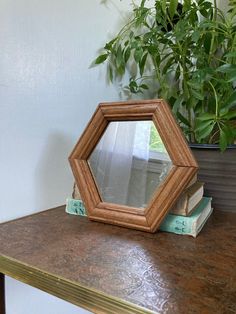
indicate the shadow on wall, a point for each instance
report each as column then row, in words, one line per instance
column 53, row 176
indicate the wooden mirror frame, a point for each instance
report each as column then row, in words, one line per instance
column 183, row 170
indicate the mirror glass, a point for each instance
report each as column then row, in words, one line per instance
column 129, row 163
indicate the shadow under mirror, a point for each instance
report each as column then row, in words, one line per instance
column 129, row 163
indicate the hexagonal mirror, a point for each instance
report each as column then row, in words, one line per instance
column 132, row 163
column 129, row 163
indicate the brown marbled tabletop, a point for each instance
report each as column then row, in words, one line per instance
column 109, row 269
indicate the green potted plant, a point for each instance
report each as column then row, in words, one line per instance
column 185, row 53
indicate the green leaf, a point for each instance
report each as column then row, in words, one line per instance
column 138, row 54
column 109, row 45
column 119, row 57
column 197, row 94
column 186, row 5
column 200, row 2
column 163, row 6
column 173, row 7
column 194, row 84
column 202, row 125
column 223, row 140
column 206, row 116
column 196, row 35
column 101, row 58
column 230, row 115
column 133, row 86
column 168, row 65
column 147, row 36
column 227, row 68
column 142, row 3
column 204, row 12
column 205, row 132
column 207, row 42
column 157, row 59
column 229, row 132
column 110, row 73
column 231, row 101
column 232, row 77
column 142, row 64
column 228, row 135
column 183, row 119
column 152, row 49
column 143, row 86
column 177, row 104
column 127, row 54
column 193, row 17
column 231, row 54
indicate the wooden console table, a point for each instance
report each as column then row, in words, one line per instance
column 108, row 269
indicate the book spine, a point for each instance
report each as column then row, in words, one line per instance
column 75, row 207
column 182, row 224
column 176, row 224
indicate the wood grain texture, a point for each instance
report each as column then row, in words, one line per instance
column 109, row 269
column 2, row 294
column 90, row 137
column 150, row 218
column 131, row 110
column 172, row 136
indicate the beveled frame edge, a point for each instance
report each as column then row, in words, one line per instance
column 159, row 112
column 73, row 292
column 102, row 211
column 166, row 125
column 90, row 136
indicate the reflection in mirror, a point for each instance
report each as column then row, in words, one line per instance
column 129, row 163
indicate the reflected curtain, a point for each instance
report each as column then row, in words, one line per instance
column 124, row 168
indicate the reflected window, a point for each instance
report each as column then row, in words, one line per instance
column 129, row 163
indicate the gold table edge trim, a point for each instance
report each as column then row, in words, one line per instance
column 75, row 293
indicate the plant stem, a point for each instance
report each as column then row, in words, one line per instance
column 216, row 99
column 190, row 118
column 213, row 32
column 214, row 135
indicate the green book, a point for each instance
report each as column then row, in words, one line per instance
column 75, row 207
column 190, row 225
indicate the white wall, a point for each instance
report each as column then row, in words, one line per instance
column 47, row 95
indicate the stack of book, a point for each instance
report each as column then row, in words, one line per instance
column 190, row 212
column 187, row 217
